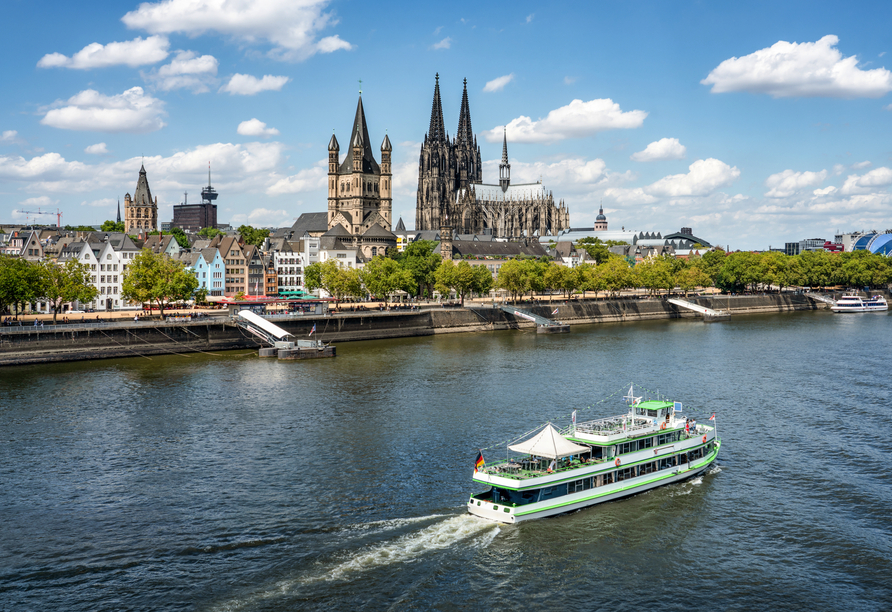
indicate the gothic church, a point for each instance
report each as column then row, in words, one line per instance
column 451, row 191
column 141, row 211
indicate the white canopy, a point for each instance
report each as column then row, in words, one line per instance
column 549, row 443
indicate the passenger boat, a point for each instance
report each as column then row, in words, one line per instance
column 855, row 303
column 591, row 462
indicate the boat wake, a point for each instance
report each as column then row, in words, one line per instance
column 464, row 528
column 406, row 548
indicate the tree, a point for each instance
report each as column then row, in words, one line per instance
column 691, row 278
column 513, row 278
column 420, row 260
column 655, row 273
column 313, row 276
column 382, row 276
column 562, row 278
column 589, row 279
column 596, row 249
column 463, row 278
column 155, row 277
column 209, row 232
column 65, row 283
column 201, row 296
column 616, row 274
column 181, row 238
column 19, row 283
column 112, row 226
column 253, row 236
column 711, row 263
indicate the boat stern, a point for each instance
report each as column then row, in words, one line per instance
column 497, row 512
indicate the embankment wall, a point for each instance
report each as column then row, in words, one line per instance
column 27, row 345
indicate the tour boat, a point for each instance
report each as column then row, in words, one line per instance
column 855, row 303
column 591, row 462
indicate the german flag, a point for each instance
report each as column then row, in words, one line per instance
column 479, row 462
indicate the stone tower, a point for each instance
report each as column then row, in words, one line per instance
column 601, row 221
column 359, row 190
column 141, row 211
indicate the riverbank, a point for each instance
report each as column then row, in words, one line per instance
column 127, row 338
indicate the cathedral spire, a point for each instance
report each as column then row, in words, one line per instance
column 119, row 211
column 437, row 131
column 361, row 133
column 504, row 167
column 465, row 133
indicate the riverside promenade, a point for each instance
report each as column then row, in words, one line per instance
column 124, row 337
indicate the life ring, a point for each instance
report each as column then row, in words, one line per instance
column 663, row 425
column 617, row 462
column 704, row 439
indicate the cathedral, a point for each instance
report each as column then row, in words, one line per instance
column 141, row 211
column 360, row 191
column 451, row 191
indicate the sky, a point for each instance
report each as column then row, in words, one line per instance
column 753, row 123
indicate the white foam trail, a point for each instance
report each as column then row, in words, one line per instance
column 486, row 539
column 714, row 470
column 386, row 525
column 697, row 481
column 436, row 537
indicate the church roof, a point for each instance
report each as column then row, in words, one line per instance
column 360, row 130
column 502, row 250
column 338, row 231
column 386, row 146
column 143, row 195
column 333, row 143
column 400, row 226
column 310, row 222
column 376, row 231
column 689, row 237
column 437, row 131
column 494, row 193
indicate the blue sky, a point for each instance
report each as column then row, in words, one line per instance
column 753, row 123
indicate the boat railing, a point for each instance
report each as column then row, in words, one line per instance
column 610, row 426
column 519, row 468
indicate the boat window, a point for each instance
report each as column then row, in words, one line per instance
column 625, row 474
column 515, row 498
column 652, row 413
column 580, row 485
column 648, row 468
column 645, row 443
column 626, row 447
column 598, row 452
column 666, row 463
column 552, row 492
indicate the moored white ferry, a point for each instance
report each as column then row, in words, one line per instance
column 595, row 461
column 855, row 303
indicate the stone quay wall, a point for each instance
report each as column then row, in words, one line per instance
column 75, row 342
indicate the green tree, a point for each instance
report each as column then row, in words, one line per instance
column 535, row 270
column 65, row 283
column 180, row 236
column 462, row 277
column 818, row 268
column 739, row 271
column 692, row 277
column 155, row 277
column 562, row 278
column 655, row 273
column 596, row 249
column 209, row 232
column 589, row 279
column 420, row 260
column 112, row 226
column 513, row 278
column 382, row 276
column 80, row 228
column 253, row 236
column 711, row 263
column 616, row 274
column 19, row 283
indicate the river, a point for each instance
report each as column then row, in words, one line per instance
column 226, row 482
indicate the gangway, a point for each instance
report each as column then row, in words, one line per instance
column 543, row 324
column 263, row 329
column 284, row 346
column 821, row 298
column 708, row 313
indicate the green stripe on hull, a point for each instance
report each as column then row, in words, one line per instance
column 693, row 468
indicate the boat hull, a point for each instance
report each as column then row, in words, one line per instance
column 506, row 514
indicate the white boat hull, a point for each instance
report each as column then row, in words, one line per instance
column 507, row 514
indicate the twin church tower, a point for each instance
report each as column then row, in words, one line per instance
column 451, row 191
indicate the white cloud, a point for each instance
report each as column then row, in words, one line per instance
column 568, row 80
column 530, row 17
column 8, row 136
column 38, row 201
column 788, row 183
column 825, row 191
column 498, row 84
column 263, row 217
column 255, row 127
column 132, row 111
column 888, row 107
column 786, row 69
column 249, row 168
column 97, row 149
column 443, row 44
column 291, row 27
column 854, row 184
column 577, row 119
column 665, row 148
column 101, row 203
column 861, row 165
column 704, row 177
column 308, row 179
column 247, row 85
column 136, row 52
column 188, row 70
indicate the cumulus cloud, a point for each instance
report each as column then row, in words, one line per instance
column 101, row 203
column 291, row 27
column 247, row 85
column 498, row 84
column 443, row 44
column 825, row 191
column 788, row 183
column 786, row 69
column 38, row 201
column 8, row 136
column 97, row 149
column 530, row 17
column 308, row 179
column 665, row 148
column 136, row 52
column 577, row 119
column 255, row 127
column 854, row 184
column 132, row 111
column 704, row 177
column 188, row 70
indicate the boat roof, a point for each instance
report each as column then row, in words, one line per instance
column 550, row 444
column 655, row 404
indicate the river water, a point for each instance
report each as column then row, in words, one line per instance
column 207, row 482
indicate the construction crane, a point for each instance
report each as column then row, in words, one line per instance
column 58, row 215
